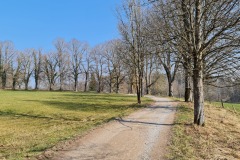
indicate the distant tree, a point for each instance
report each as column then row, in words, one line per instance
column 86, row 65
column 111, row 52
column 37, row 66
column 99, row 66
column 118, row 66
column 7, row 54
column 170, row 64
column 92, row 83
column 16, row 71
column 50, row 69
column 63, row 61
column 108, row 53
column 76, row 50
column 26, row 67
column 151, row 66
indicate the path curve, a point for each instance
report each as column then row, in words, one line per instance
column 143, row 135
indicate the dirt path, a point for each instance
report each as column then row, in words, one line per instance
column 141, row 136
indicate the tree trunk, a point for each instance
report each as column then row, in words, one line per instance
column 198, row 97
column 188, row 95
column 4, row 80
column 141, row 88
column 26, row 86
column 170, row 89
column 117, row 84
column 130, row 88
column 99, row 87
column 110, row 87
column 86, row 81
column 61, row 82
column 139, row 94
column 50, row 87
column 147, row 90
column 75, row 86
column 146, row 83
column 76, row 83
column 14, row 84
column 36, row 83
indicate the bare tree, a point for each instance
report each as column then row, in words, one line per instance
column 86, row 66
column 7, row 53
column 76, row 49
column 37, row 63
column 131, row 22
column 108, row 53
column 50, row 69
column 26, row 66
column 151, row 66
column 99, row 66
column 203, row 27
column 62, row 56
column 170, row 64
column 118, row 67
column 16, row 71
column 114, row 64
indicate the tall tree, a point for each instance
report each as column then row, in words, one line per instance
column 112, row 50
column 16, row 70
column 204, row 31
column 131, row 27
column 170, row 64
column 76, row 50
column 207, row 26
column 99, row 66
column 27, row 68
column 7, row 54
column 86, row 66
column 50, row 69
column 37, row 66
column 61, row 47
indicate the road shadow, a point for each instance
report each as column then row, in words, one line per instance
column 120, row 120
column 168, row 101
column 163, row 107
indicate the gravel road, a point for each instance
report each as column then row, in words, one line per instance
column 143, row 135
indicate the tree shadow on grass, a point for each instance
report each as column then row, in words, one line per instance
column 16, row 115
column 99, row 97
column 86, row 107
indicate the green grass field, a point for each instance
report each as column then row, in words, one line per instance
column 230, row 106
column 32, row 121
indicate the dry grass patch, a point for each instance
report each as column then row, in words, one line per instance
column 219, row 139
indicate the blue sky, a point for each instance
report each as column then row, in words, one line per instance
column 36, row 23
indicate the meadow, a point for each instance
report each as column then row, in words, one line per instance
column 231, row 106
column 218, row 139
column 33, row 121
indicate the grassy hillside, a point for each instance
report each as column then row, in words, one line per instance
column 219, row 139
column 34, row 121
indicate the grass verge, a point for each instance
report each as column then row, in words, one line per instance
column 32, row 122
column 219, row 139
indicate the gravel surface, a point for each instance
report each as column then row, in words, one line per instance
column 143, row 135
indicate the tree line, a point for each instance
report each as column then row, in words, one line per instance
column 101, row 68
column 200, row 37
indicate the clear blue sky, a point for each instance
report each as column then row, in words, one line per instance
column 36, row 23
